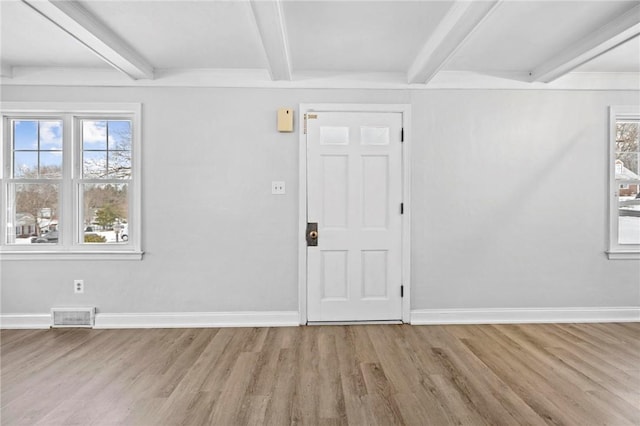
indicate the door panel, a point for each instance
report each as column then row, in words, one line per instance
column 354, row 187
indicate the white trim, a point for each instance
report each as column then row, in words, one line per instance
column 524, row 315
column 76, row 21
column 6, row 70
column 605, row 38
column 405, row 110
column 25, row 321
column 71, row 247
column 260, row 78
column 623, row 255
column 462, row 19
column 71, row 107
column 164, row 320
column 269, row 20
column 198, row 319
column 70, row 255
column 618, row 251
column 291, row 318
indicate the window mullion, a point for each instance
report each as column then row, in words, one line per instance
column 66, row 219
column 5, row 155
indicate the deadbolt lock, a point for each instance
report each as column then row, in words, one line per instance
column 312, row 234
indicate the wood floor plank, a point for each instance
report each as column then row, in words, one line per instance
column 306, row 397
column 557, row 374
column 279, row 406
column 557, row 336
column 331, row 401
column 531, row 386
column 227, row 408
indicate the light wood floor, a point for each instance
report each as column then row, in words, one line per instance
column 583, row 374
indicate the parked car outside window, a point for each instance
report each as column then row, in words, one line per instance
column 49, row 237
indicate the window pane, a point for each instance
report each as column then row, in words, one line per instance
column 51, row 164
column 120, row 135
column 627, row 150
column 50, row 135
column 107, row 149
column 25, row 135
column 37, row 149
column 25, row 164
column 94, row 135
column 627, row 166
column 628, row 213
column 105, row 213
column 120, row 164
column 94, row 164
column 35, row 214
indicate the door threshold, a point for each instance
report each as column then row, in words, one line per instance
column 388, row 322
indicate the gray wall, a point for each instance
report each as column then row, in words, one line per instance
column 509, row 203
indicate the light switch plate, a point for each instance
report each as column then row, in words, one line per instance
column 277, row 188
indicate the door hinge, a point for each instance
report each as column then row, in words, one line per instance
column 402, row 135
column 308, row 117
column 401, row 291
column 401, row 208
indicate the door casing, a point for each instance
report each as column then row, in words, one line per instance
column 405, row 110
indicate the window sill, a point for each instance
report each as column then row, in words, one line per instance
column 71, row 255
column 623, row 255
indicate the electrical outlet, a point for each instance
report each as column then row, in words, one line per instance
column 78, row 286
column 277, row 187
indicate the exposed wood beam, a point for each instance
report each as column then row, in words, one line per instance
column 614, row 33
column 458, row 24
column 269, row 19
column 6, row 71
column 76, row 21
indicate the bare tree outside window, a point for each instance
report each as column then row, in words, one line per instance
column 106, row 149
column 627, row 175
column 106, row 158
column 36, row 169
column 71, row 186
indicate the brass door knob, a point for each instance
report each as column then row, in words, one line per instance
column 313, row 234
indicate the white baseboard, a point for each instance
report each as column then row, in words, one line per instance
column 291, row 318
column 198, row 319
column 27, row 321
column 165, row 320
column 524, row 315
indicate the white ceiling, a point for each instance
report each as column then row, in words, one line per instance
column 520, row 35
column 293, row 40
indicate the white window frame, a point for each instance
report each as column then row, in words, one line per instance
column 70, row 245
column 616, row 250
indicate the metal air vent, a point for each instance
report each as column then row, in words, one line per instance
column 73, row 317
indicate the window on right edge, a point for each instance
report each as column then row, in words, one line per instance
column 624, row 176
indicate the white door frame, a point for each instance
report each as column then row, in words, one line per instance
column 405, row 110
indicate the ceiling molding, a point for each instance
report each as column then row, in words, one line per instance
column 269, row 18
column 6, row 71
column 614, row 33
column 76, row 21
column 259, row 78
column 460, row 22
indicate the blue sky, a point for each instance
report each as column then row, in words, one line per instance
column 40, row 142
column 25, row 139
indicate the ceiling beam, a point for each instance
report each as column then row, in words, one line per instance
column 459, row 23
column 76, row 21
column 605, row 38
column 269, row 19
column 6, row 71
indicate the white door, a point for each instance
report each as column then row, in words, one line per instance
column 354, row 194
